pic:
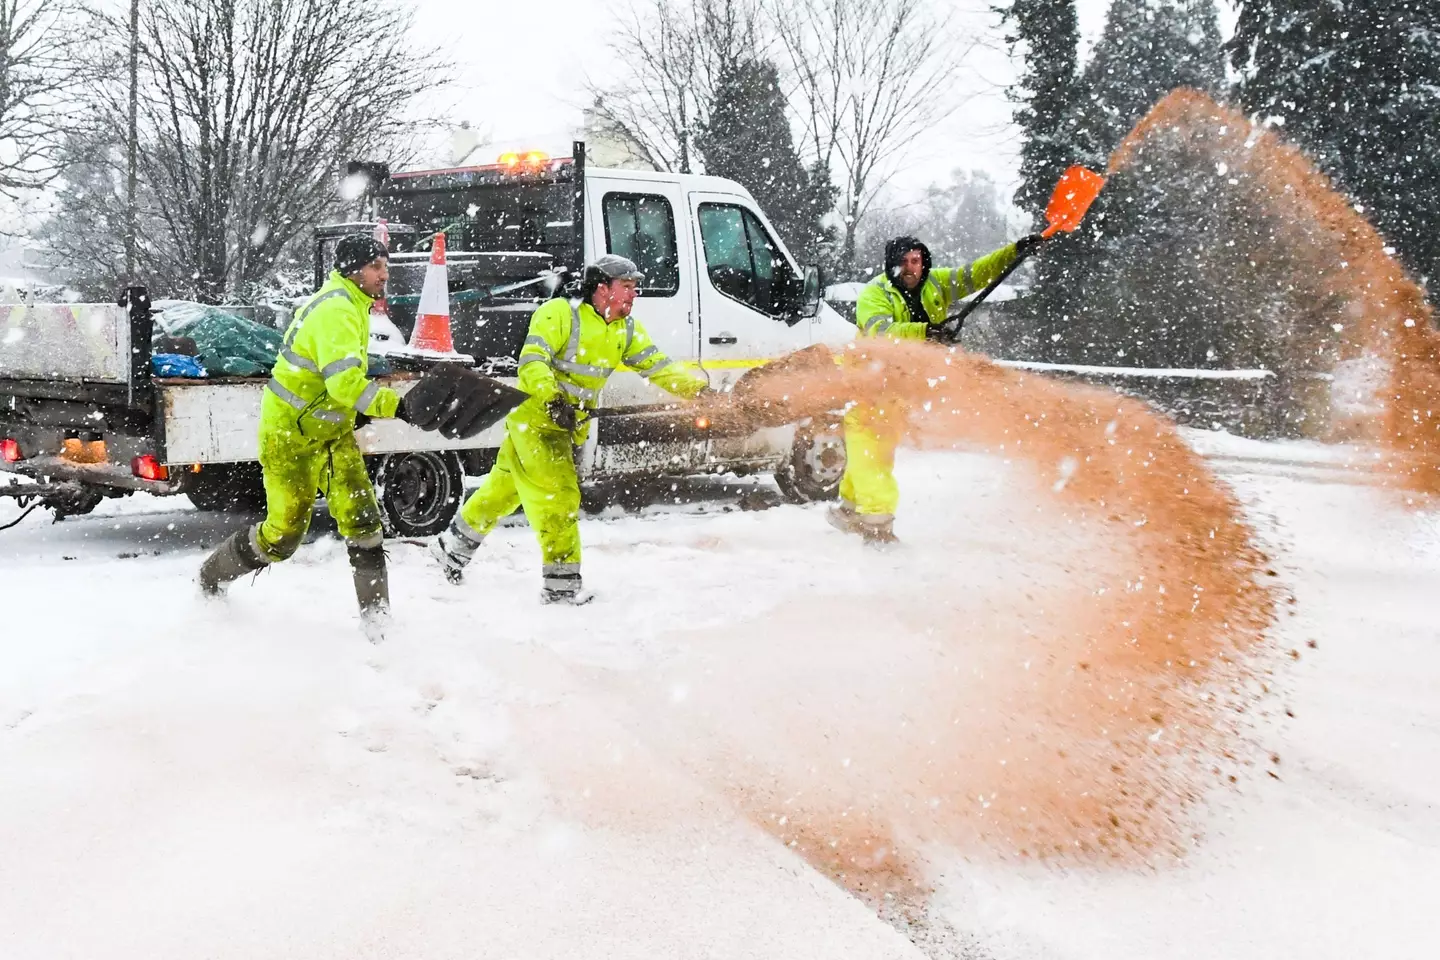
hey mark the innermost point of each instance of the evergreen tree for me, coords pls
(1357, 84)
(748, 139)
(1050, 92)
(1148, 48)
(1093, 291)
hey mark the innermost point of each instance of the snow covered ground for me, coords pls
(251, 778)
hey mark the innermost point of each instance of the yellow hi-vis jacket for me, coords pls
(881, 310)
(321, 371)
(570, 351)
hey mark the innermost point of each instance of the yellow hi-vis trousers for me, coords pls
(296, 468)
(535, 469)
(869, 481)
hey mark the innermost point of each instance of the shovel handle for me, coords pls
(969, 307)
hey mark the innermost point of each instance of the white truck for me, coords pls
(81, 413)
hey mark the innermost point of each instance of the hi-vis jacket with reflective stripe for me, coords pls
(322, 364)
(882, 311)
(571, 351)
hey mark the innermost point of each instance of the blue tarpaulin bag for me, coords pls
(176, 365)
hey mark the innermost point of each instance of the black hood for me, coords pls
(896, 249)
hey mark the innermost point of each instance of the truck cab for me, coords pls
(721, 294)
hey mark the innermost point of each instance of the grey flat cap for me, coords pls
(616, 267)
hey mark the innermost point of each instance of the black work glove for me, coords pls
(1027, 244)
(947, 332)
(562, 413)
(457, 401)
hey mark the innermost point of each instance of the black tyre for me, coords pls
(230, 487)
(816, 464)
(418, 492)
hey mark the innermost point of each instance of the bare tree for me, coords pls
(869, 76)
(959, 220)
(676, 50)
(248, 111)
(38, 72)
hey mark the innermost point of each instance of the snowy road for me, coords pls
(500, 780)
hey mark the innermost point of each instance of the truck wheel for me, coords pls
(815, 465)
(230, 487)
(418, 492)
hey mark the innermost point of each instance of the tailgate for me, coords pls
(77, 374)
(70, 342)
(219, 422)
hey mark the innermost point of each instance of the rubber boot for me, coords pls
(372, 589)
(844, 518)
(455, 548)
(878, 531)
(235, 557)
(562, 584)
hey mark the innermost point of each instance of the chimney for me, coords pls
(464, 139)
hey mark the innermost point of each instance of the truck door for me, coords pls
(638, 219)
(743, 276)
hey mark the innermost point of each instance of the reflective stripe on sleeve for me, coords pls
(641, 357)
(579, 392)
(583, 369)
(340, 366)
(655, 368)
(300, 403)
(294, 359)
(367, 396)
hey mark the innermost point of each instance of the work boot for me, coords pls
(455, 548)
(563, 585)
(843, 517)
(878, 532)
(372, 589)
(235, 557)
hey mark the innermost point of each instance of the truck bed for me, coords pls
(217, 421)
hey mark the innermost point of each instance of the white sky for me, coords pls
(522, 70)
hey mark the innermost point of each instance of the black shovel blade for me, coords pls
(481, 403)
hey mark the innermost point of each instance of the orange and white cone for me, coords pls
(432, 321)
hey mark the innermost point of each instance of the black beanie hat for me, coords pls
(357, 251)
(896, 249)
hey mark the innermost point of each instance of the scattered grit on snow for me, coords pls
(248, 779)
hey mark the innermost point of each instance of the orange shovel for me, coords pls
(1073, 195)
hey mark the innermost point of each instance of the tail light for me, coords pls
(148, 468)
(10, 450)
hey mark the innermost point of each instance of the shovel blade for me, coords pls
(1074, 193)
(488, 404)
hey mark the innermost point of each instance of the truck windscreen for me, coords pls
(529, 215)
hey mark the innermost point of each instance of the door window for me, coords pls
(641, 227)
(743, 262)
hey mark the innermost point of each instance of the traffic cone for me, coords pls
(432, 322)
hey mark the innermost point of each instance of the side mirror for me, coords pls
(811, 290)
